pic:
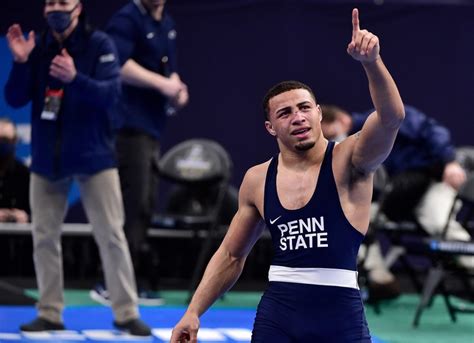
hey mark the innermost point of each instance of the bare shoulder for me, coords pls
(343, 151)
(252, 188)
(353, 186)
(256, 174)
(343, 167)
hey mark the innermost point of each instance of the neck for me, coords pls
(295, 159)
(156, 12)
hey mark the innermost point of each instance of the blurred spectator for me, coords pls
(145, 36)
(14, 178)
(71, 75)
(423, 171)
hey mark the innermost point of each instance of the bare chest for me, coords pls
(296, 189)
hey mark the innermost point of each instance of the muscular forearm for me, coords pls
(221, 273)
(384, 93)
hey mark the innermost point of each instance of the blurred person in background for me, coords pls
(14, 177)
(145, 36)
(71, 75)
(423, 171)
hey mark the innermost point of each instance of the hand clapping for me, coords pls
(63, 68)
(19, 46)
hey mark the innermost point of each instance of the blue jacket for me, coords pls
(421, 142)
(81, 140)
(152, 44)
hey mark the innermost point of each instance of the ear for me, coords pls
(320, 112)
(79, 8)
(269, 128)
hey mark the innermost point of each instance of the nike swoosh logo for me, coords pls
(274, 220)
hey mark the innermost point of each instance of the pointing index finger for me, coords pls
(355, 21)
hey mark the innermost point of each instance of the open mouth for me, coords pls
(300, 132)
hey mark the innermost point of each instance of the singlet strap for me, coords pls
(325, 179)
(270, 184)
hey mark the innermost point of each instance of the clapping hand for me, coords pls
(63, 68)
(19, 46)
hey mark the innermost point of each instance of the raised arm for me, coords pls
(18, 89)
(226, 265)
(375, 140)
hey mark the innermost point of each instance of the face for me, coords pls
(63, 5)
(338, 129)
(154, 3)
(7, 141)
(294, 119)
(331, 130)
(7, 131)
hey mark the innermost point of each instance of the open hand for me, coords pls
(19, 46)
(364, 46)
(63, 68)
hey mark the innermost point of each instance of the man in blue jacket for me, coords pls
(145, 36)
(422, 167)
(71, 75)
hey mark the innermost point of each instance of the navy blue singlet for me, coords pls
(313, 295)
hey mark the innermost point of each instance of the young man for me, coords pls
(71, 75)
(315, 199)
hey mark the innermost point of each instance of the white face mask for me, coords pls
(340, 137)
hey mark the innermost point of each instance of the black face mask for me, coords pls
(7, 148)
(59, 21)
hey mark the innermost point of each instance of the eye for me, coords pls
(283, 114)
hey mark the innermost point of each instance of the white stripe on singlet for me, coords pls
(314, 276)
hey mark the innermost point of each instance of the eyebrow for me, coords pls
(284, 109)
(306, 102)
(50, 2)
(289, 107)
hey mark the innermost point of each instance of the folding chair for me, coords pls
(398, 232)
(442, 252)
(201, 170)
(408, 238)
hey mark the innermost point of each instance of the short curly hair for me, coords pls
(283, 87)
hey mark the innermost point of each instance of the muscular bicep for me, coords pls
(373, 144)
(247, 225)
(245, 229)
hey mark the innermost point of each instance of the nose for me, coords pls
(298, 117)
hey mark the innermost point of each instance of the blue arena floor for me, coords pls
(94, 324)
